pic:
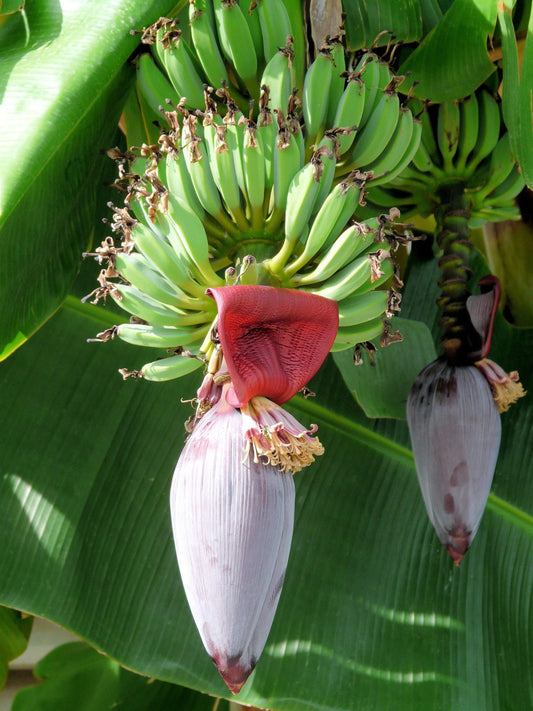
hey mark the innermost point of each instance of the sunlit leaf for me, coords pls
(62, 93)
(449, 64)
(365, 21)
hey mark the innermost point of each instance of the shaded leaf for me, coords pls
(365, 21)
(382, 389)
(450, 64)
(61, 96)
(507, 248)
(15, 629)
(517, 91)
(76, 676)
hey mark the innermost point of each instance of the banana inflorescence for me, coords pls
(262, 175)
(462, 146)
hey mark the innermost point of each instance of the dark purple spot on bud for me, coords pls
(459, 476)
(449, 503)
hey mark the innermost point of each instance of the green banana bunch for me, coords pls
(169, 254)
(224, 43)
(242, 52)
(359, 113)
(243, 197)
(461, 145)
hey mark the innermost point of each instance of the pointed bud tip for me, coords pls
(234, 674)
(457, 547)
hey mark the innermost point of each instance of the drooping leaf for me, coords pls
(450, 64)
(15, 630)
(365, 21)
(517, 90)
(382, 389)
(76, 676)
(370, 598)
(62, 93)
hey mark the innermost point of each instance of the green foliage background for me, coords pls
(373, 614)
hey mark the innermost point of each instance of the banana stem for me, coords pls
(453, 238)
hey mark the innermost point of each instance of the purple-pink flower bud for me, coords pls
(232, 520)
(455, 433)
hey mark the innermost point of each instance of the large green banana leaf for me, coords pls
(63, 82)
(373, 615)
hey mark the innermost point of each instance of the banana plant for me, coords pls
(246, 182)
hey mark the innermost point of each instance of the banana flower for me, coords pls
(453, 416)
(232, 494)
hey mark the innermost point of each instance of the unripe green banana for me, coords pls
(508, 189)
(254, 174)
(376, 76)
(429, 141)
(183, 73)
(179, 182)
(422, 159)
(197, 161)
(363, 332)
(323, 224)
(141, 305)
(396, 148)
(448, 132)
(277, 77)
(349, 112)
(275, 25)
(469, 131)
(151, 336)
(287, 163)
(223, 170)
(138, 271)
(346, 280)
(501, 213)
(169, 368)
(160, 254)
(297, 26)
(376, 133)
(205, 42)
(235, 141)
(488, 128)
(336, 87)
(187, 235)
(492, 172)
(237, 42)
(302, 193)
(407, 157)
(362, 308)
(344, 249)
(267, 127)
(153, 84)
(252, 18)
(315, 92)
(363, 274)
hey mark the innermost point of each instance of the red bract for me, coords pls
(273, 340)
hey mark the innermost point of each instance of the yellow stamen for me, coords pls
(288, 452)
(507, 392)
